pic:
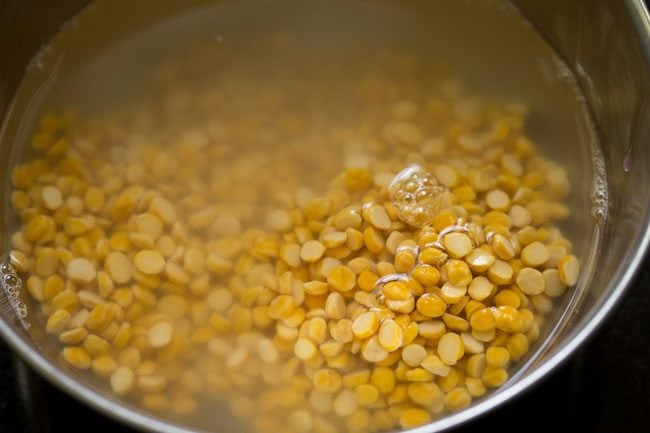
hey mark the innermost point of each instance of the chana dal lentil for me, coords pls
(184, 267)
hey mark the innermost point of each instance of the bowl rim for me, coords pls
(139, 419)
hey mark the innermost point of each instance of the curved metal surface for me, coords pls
(618, 280)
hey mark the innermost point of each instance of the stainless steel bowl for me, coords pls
(606, 43)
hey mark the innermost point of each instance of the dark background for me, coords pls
(605, 387)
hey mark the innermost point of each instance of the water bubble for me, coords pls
(422, 194)
(11, 286)
(417, 197)
(409, 197)
(428, 180)
(21, 309)
(11, 280)
(599, 213)
(599, 191)
(627, 162)
(411, 186)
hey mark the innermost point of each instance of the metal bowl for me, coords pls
(606, 43)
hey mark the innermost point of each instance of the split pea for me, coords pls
(149, 262)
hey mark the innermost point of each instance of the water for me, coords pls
(235, 110)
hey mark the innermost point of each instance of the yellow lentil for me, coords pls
(530, 281)
(500, 272)
(58, 321)
(377, 216)
(517, 346)
(458, 272)
(413, 354)
(452, 293)
(366, 394)
(493, 377)
(432, 256)
(305, 349)
(118, 267)
(149, 262)
(568, 270)
(77, 357)
(480, 260)
(475, 387)
(457, 398)
(497, 200)
(450, 348)
(553, 285)
(480, 288)
(424, 393)
(81, 270)
(372, 351)
(431, 329)
(122, 380)
(73, 336)
(497, 357)
(341, 278)
(327, 380)
(413, 417)
(458, 245)
(312, 251)
(390, 335)
(160, 334)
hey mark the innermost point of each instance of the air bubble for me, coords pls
(627, 162)
(11, 280)
(11, 286)
(21, 309)
(417, 197)
(408, 197)
(428, 180)
(411, 186)
(598, 213)
(599, 193)
(421, 194)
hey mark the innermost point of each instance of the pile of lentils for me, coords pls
(192, 267)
